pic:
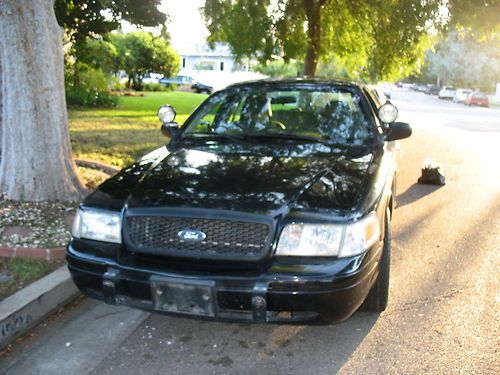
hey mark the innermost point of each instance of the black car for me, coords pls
(273, 202)
(419, 88)
(202, 88)
(432, 89)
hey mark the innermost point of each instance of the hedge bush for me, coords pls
(89, 87)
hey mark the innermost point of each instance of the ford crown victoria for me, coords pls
(272, 202)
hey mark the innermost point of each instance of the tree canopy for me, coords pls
(84, 18)
(461, 60)
(378, 39)
(481, 16)
(141, 52)
(373, 40)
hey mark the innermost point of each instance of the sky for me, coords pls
(186, 26)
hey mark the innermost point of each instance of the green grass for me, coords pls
(120, 135)
(26, 269)
(23, 272)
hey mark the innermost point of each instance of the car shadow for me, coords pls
(414, 193)
(246, 348)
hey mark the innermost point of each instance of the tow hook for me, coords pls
(259, 302)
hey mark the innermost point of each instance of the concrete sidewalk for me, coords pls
(75, 343)
(26, 308)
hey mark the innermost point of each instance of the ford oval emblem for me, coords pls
(192, 235)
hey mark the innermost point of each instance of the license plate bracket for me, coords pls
(192, 297)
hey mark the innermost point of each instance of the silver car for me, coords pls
(447, 92)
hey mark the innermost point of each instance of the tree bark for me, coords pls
(1, 105)
(313, 14)
(37, 163)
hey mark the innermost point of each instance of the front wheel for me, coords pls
(377, 298)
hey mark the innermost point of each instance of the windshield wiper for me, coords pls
(296, 137)
(231, 137)
(246, 137)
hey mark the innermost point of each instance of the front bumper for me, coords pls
(288, 290)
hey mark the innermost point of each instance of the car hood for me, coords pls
(261, 181)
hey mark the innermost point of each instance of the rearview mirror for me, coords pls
(398, 130)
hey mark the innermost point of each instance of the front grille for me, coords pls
(224, 238)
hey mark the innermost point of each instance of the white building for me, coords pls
(216, 67)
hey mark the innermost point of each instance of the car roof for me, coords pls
(294, 81)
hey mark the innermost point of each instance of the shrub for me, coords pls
(90, 98)
(89, 87)
(154, 87)
(118, 86)
(279, 69)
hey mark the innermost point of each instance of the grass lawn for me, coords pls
(120, 135)
(115, 136)
(22, 272)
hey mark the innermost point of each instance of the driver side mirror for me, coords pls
(170, 130)
(166, 114)
(398, 130)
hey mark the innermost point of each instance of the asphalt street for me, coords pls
(443, 314)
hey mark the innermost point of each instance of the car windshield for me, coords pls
(332, 115)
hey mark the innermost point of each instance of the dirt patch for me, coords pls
(42, 224)
(28, 224)
(16, 231)
(92, 177)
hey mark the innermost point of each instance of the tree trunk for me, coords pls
(313, 14)
(1, 104)
(37, 162)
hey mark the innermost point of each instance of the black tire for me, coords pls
(377, 298)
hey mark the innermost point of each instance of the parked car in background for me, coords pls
(151, 78)
(432, 89)
(178, 80)
(447, 92)
(461, 95)
(272, 202)
(419, 87)
(202, 88)
(477, 98)
(187, 83)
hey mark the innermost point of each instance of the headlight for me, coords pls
(329, 239)
(98, 225)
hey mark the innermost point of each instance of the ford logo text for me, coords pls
(191, 235)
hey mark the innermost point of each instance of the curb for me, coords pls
(56, 253)
(94, 164)
(29, 306)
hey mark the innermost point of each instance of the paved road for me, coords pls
(444, 296)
